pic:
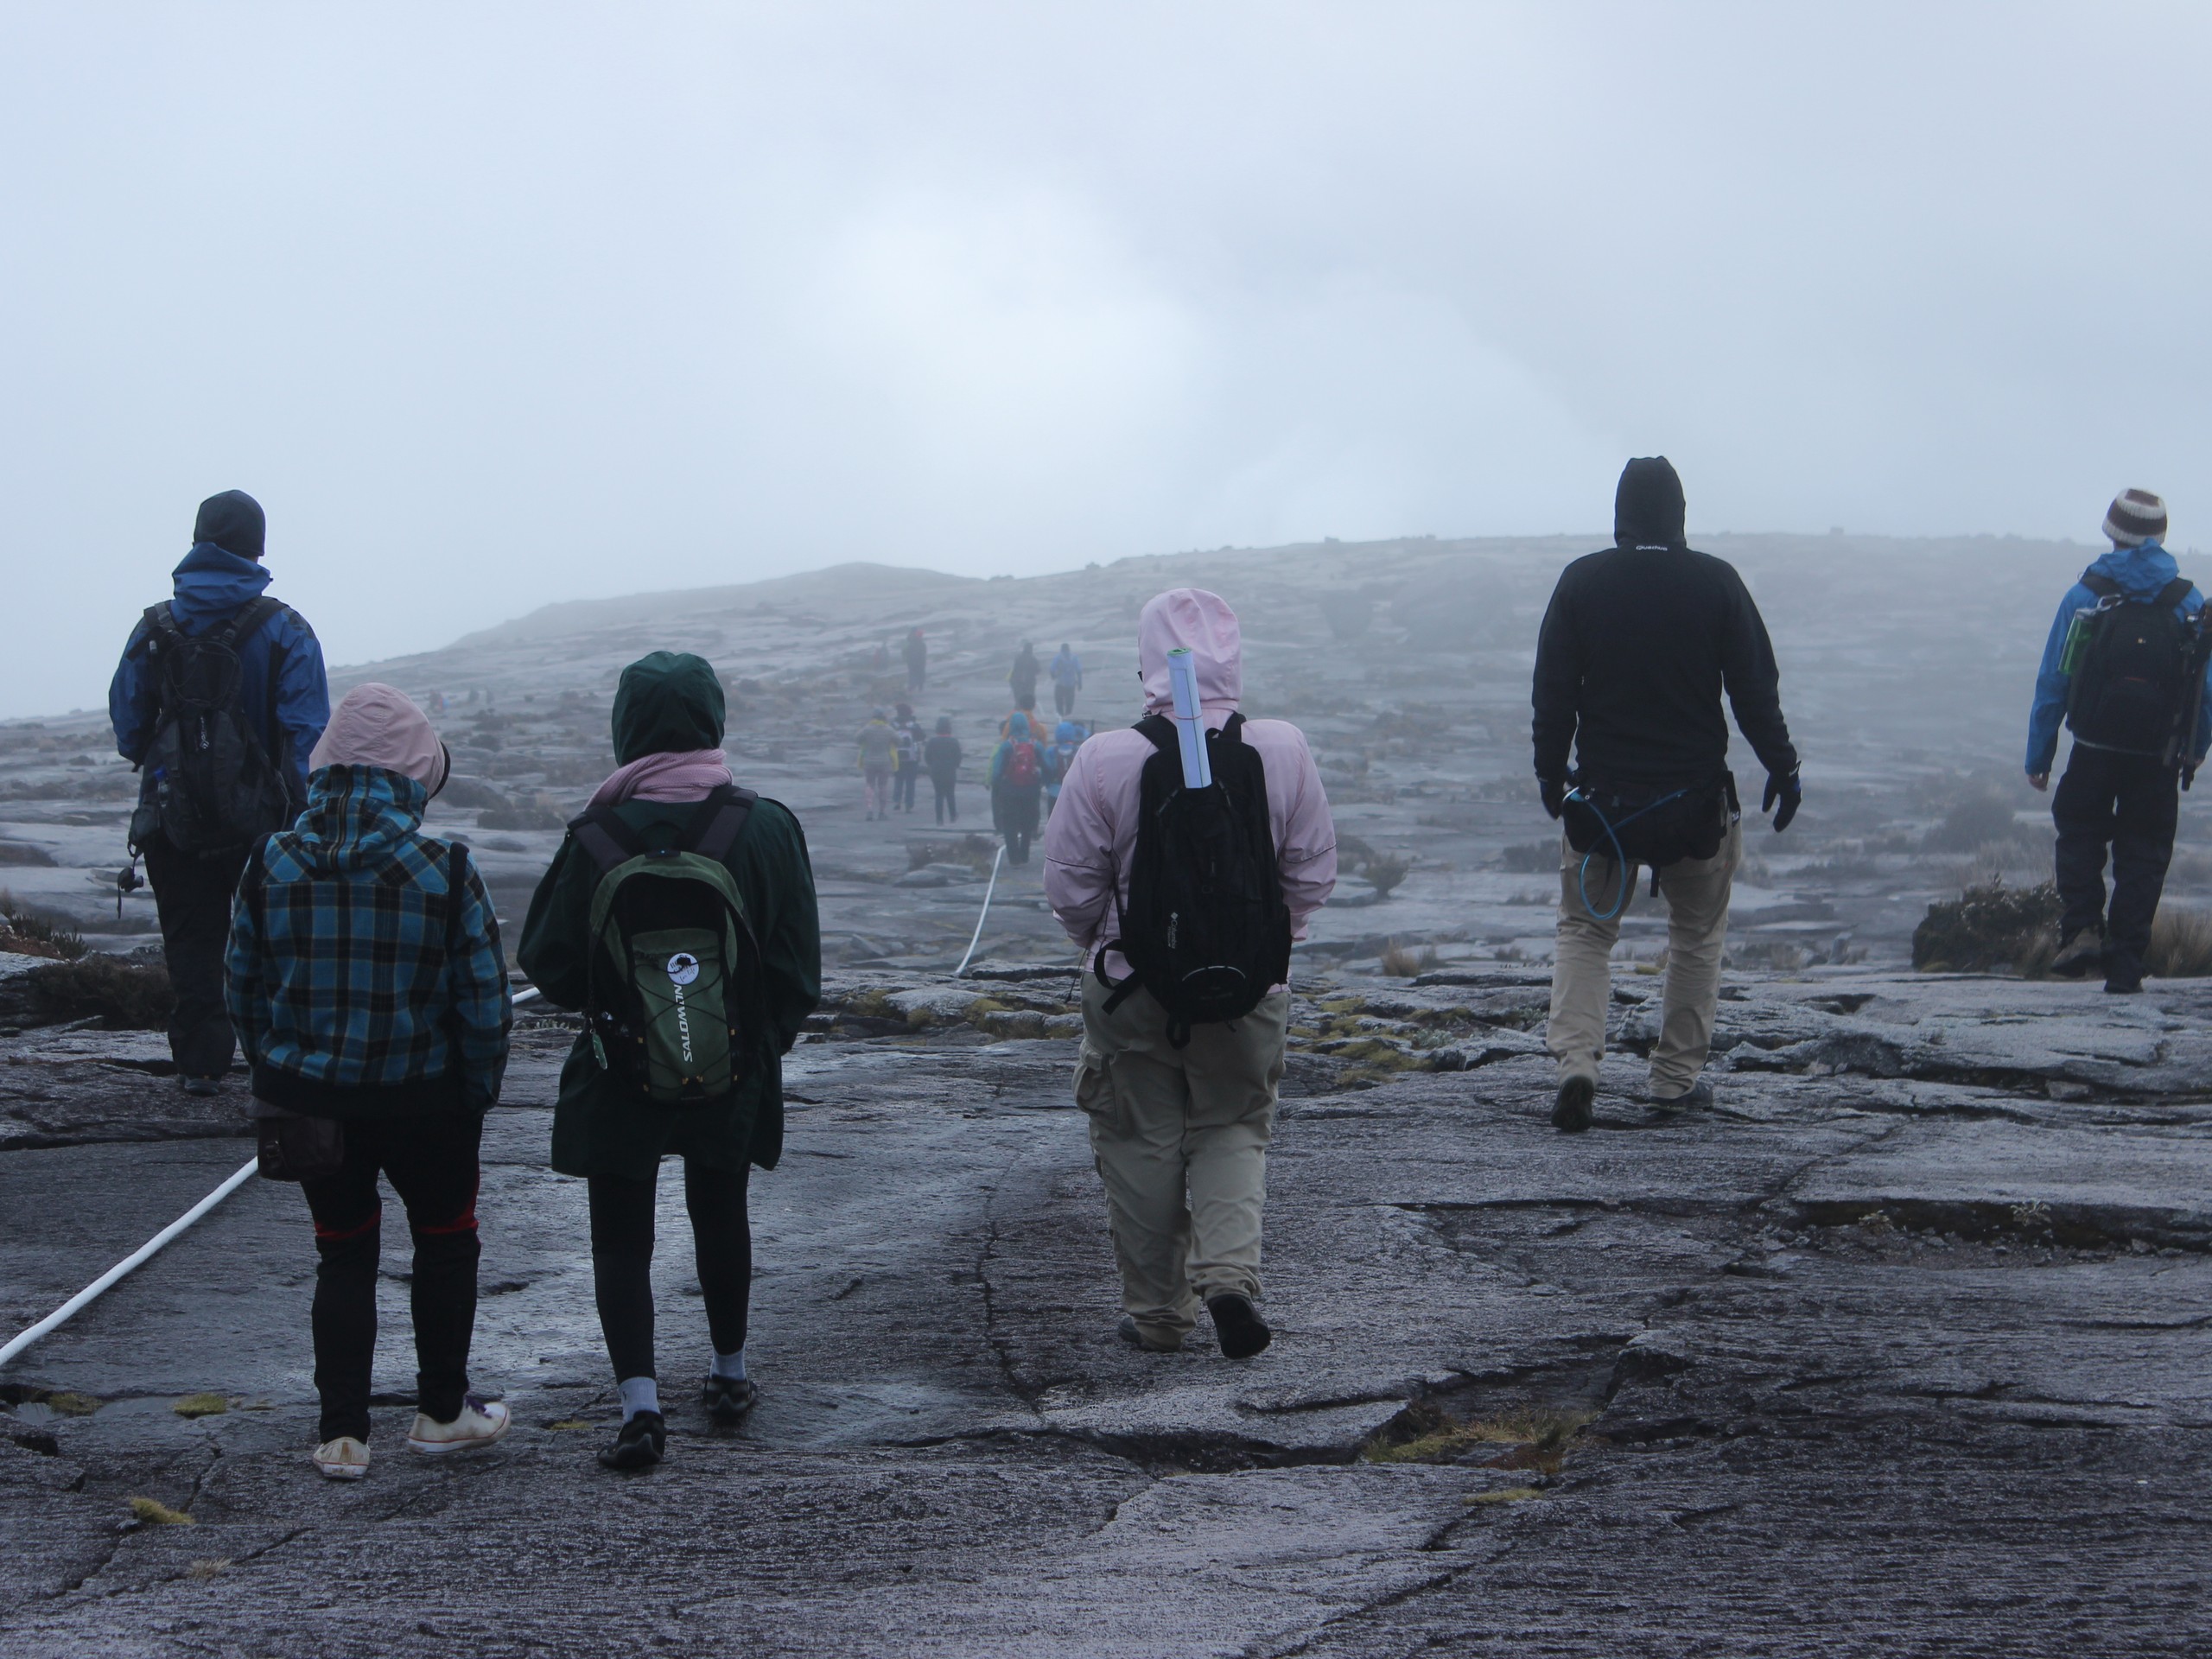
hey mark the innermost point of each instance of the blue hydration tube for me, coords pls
(1620, 858)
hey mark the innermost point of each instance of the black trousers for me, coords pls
(1064, 699)
(902, 785)
(431, 1161)
(193, 896)
(2129, 803)
(1015, 809)
(946, 808)
(622, 1260)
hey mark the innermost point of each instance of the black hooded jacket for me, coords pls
(1638, 645)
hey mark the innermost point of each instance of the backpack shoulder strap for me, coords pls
(717, 831)
(605, 838)
(1232, 729)
(456, 890)
(248, 620)
(160, 618)
(1160, 731)
(2174, 593)
(2103, 585)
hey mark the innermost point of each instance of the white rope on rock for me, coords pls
(996, 859)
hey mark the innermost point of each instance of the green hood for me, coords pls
(669, 702)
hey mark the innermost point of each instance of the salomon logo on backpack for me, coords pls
(1206, 932)
(1021, 767)
(2132, 662)
(207, 783)
(675, 966)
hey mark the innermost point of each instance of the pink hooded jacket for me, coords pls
(1091, 836)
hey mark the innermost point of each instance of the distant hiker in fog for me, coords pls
(878, 745)
(941, 754)
(1017, 781)
(1185, 1007)
(1060, 755)
(694, 969)
(1022, 678)
(906, 773)
(369, 991)
(218, 699)
(2126, 666)
(917, 652)
(1067, 679)
(1636, 649)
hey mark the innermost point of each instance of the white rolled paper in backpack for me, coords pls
(1190, 719)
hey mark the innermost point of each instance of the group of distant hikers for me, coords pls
(308, 918)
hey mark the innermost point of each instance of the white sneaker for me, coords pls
(480, 1422)
(343, 1458)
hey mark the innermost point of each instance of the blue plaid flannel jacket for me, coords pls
(341, 983)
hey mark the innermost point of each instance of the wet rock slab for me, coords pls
(1885, 1354)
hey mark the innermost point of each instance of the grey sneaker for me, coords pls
(1151, 1338)
(200, 1088)
(1695, 1098)
(2082, 953)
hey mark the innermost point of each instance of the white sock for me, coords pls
(729, 1367)
(638, 1393)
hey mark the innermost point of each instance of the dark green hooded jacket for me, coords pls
(669, 702)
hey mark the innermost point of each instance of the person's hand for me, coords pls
(2038, 781)
(2189, 776)
(1789, 792)
(1553, 790)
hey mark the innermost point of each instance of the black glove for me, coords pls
(1553, 790)
(1789, 792)
(2188, 777)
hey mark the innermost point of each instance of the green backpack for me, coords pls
(675, 968)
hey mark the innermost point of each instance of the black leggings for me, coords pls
(622, 1260)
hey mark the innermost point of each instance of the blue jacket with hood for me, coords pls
(213, 585)
(2140, 572)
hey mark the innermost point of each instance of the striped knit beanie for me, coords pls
(2136, 517)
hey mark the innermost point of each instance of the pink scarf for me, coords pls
(686, 775)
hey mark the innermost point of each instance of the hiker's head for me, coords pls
(1191, 618)
(232, 521)
(875, 714)
(378, 725)
(1067, 732)
(1017, 726)
(945, 724)
(669, 702)
(906, 710)
(1647, 508)
(2136, 516)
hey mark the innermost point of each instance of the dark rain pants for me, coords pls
(622, 1260)
(947, 810)
(430, 1160)
(193, 896)
(1015, 807)
(2129, 803)
(902, 785)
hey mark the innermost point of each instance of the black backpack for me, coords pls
(674, 987)
(2132, 670)
(1206, 930)
(207, 783)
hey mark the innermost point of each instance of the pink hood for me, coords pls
(1202, 622)
(378, 725)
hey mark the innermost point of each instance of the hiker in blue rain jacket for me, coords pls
(285, 703)
(2121, 790)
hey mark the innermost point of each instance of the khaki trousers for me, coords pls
(1180, 1139)
(1696, 891)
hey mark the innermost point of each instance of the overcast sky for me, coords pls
(492, 305)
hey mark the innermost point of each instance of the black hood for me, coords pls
(233, 522)
(1647, 507)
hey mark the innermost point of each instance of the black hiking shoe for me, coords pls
(1695, 1098)
(642, 1443)
(1570, 1110)
(729, 1398)
(2123, 974)
(1238, 1326)
(2081, 954)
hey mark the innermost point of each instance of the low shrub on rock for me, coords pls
(123, 996)
(1989, 927)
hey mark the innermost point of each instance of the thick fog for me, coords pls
(496, 305)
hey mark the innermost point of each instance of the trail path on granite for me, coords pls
(1906, 1347)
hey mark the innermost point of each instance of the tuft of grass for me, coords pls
(23, 932)
(1878, 1221)
(567, 1425)
(1399, 963)
(201, 1405)
(1535, 1440)
(208, 1567)
(1385, 871)
(155, 1513)
(1506, 1495)
(123, 995)
(2181, 943)
(1530, 858)
(65, 1404)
